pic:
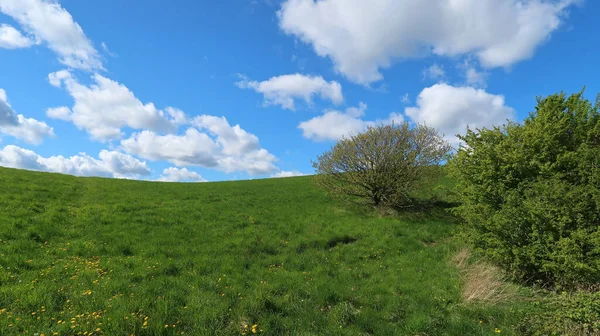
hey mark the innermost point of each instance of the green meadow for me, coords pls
(92, 256)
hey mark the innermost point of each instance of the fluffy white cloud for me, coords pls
(109, 164)
(227, 148)
(10, 38)
(334, 125)
(285, 173)
(283, 90)
(26, 129)
(434, 72)
(48, 22)
(174, 174)
(362, 37)
(106, 106)
(121, 164)
(190, 148)
(450, 109)
(233, 140)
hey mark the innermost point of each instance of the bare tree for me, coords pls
(382, 165)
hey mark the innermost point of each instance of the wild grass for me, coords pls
(483, 282)
(90, 256)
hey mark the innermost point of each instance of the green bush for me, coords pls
(566, 314)
(384, 165)
(530, 193)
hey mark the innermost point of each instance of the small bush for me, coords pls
(530, 193)
(384, 165)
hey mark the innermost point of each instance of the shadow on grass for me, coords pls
(427, 209)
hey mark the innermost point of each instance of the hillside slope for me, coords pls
(117, 257)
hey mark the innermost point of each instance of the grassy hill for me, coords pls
(90, 256)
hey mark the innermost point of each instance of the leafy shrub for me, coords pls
(566, 314)
(530, 192)
(384, 165)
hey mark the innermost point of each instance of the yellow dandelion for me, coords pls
(496, 330)
(166, 325)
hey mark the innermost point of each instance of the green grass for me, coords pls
(129, 257)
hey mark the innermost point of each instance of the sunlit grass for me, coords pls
(88, 256)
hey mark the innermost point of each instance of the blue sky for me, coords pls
(221, 90)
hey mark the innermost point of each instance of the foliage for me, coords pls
(384, 165)
(530, 192)
(131, 257)
(565, 314)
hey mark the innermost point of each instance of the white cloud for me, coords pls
(363, 37)
(233, 140)
(105, 107)
(227, 148)
(10, 38)
(434, 72)
(283, 90)
(405, 98)
(7, 114)
(285, 173)
(334, 125)
(174, 174)
(190, 148)
(476, 78)
(109, 164)
(450, 109)
(48, 22)
(122, 165)
(177, 116)
(106, 50)
(62, 112)
(27, 129)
